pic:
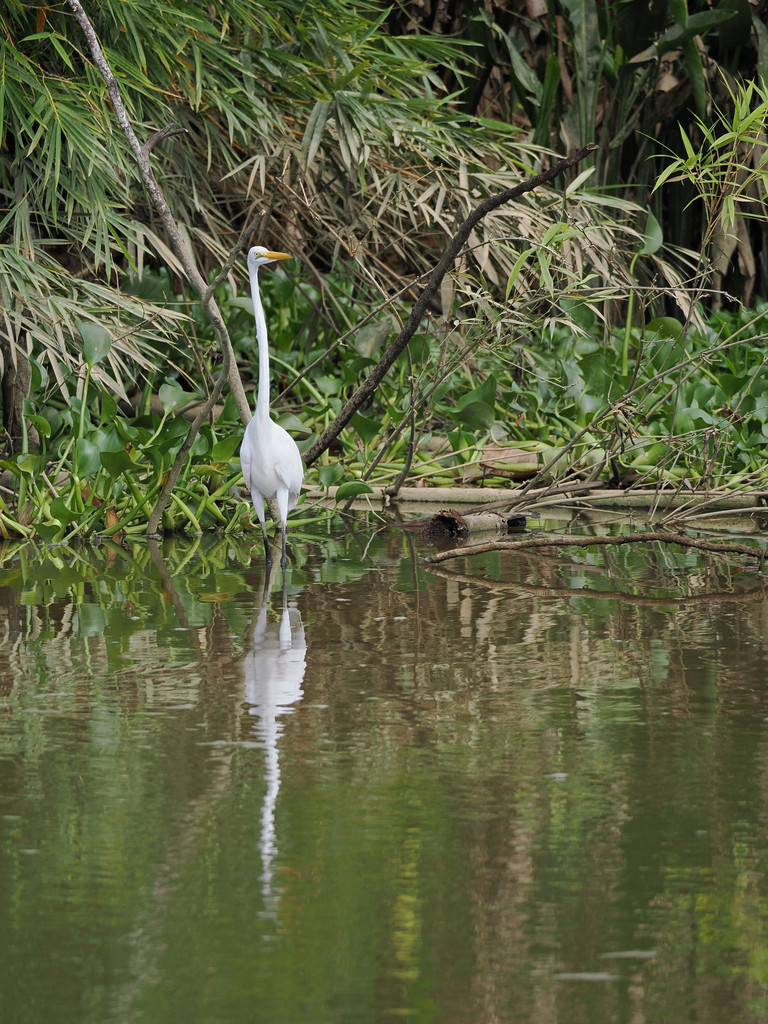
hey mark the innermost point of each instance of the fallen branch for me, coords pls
(645, 537)
(452, 250)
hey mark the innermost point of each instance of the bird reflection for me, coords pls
(274, 672)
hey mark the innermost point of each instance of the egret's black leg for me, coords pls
(283, 559)
(267, 551)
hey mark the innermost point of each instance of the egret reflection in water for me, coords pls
(273, 674)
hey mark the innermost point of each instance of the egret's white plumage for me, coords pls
(269, 456)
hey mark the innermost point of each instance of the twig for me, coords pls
(644, 537)
(451, 251)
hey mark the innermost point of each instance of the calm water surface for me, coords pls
(525, 788)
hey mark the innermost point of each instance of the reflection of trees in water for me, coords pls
(586, 739)
(536, 776)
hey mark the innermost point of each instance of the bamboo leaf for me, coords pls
(313, 133)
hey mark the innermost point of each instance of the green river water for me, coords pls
(521, 788)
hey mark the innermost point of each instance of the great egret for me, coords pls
(269, 456)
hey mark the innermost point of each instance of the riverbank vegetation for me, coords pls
(609, 325)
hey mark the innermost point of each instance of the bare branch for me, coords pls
(165, 133)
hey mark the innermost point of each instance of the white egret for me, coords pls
(269, 456)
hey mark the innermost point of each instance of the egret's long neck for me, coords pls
(262, 396)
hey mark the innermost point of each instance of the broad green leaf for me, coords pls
(38, 377)
(224, 449)
(578, 125)
(761, 35)
(541, 136)
(26, 464)
(732, 384)
(696, 76)
(108, 408)
(460, 440)
(172, 396)
(486, 392)
(597, 373)
(97, 342)
(88, 457)
(48, 531)
(653, 237)
(477, 415)
(351, 489)
(291, 423)
(116, 463)
(679, 11)
(665, 327)
(330, 475)
(61, 512)
(365, 427)
(40, 423)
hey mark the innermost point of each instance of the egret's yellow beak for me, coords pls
(277, 256)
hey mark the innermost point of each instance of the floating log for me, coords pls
(450, 525)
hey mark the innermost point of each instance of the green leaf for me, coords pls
(116, 463)
(679, 11)
(366, 428)
(486, 392)
(97, 342)
(48, 531)
(291, 423)
(351, 489)
(108, 408)
(88, 457)
(38, 377)
(61, 512)
(172, 396)
(653, 237)
(329, 475)
(40, 423)
(516, 270)
(313, 133)
(597, 372)
(665, 327)
(552, 77)
(224, 449)
(696, 76)
(477, 415)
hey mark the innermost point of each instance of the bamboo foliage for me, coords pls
(345, 131)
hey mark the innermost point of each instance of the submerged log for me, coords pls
(448, 524)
